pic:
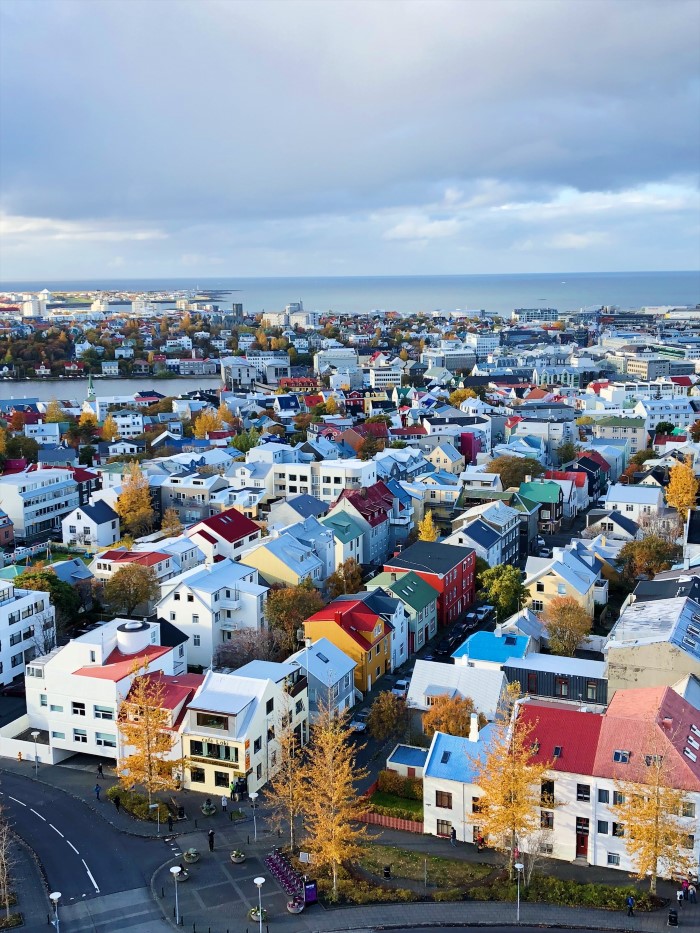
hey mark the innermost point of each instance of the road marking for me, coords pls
(16, 800)
(94, 883)
(72, 847)
(37, 814)
(57, 831)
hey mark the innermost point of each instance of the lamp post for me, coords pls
(518, 867)
(55, 897)
(35, 736)
(254, 796)
(175, 872)
(259, 882)
(156, 807)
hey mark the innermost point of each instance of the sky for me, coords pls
(220, 138)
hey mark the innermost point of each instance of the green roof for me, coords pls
(614, 421)
(409, 587)
(545, 492)
(344, 526)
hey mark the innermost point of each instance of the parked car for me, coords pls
(358, 723)
(400, 688)
(544, 552)
(471, 621)
(483, 612)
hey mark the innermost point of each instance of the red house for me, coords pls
(449, 569)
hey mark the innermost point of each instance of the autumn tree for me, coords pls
(146, 737)
(567, 451)
(346, 579)
(330, 802)
(331, 406)
(207, 421)
(427, 529)
(289, 607)
(3, 442)
(450, 714)
(652, 555)
(514, 470)
(130, 586)
(388, 716)
(110, 431)
(567, 624)
(285, 789)
(250, 644)
(460, 395)
(502, 587)
(7, 862)
(134, 503)
(682, 490)
(226, 416)
(54, 412)
(510, 778)
(171, 524)
(650, 810)
(370, 447)
(694, 431)
(64, 598)
(246, 441)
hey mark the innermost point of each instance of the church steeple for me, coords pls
(90, 389)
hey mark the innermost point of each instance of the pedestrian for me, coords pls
(679, 897)
(224, 803)
(170, 822)
(117, 801)
(97, 791)
(232, 789)
(453, 836)
(692, 893)
(630, 906)
(100, 773)
(210, 835)
(685, 885)
(480, 842)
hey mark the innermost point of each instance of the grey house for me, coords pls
(330, 673)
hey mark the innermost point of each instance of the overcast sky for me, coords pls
(212, 137)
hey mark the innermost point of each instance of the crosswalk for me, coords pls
(133, 911)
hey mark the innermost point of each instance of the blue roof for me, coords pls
(408, 755)
(481, 533)
(487, 646)
(451, 757)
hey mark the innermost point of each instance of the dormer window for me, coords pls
(557, 751)
(621, 757)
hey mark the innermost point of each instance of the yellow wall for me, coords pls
(335, 634)
(551, 583)
(271, 567)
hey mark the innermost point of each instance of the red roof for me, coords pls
(354, 617)
(598, 385)
(578, 479)
(375, 428)
(597, 458)
(669, 439)
(117, 666)
(684, 381)
(145, 558)
(576, 733)
(408, 432)
(176, 688)
(311, 400)
(81, 475)
(230, 525)
(374, 503)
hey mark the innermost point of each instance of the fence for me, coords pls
(390, 822)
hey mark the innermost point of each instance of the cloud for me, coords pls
(421, 228)
(38, 228)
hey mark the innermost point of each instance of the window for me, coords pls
(532, 683)
(197, 775)
(79, 735)
(177, 597)
(195, 620)
(547, 819)
(443, 799)
(212, 721)
(104, 738)
(44, 700)
(618, 798)
(196, 641)
(547, 793)
(561, 589)
(540, 587)
(172, 616)
(613, 858)
(561, 686)
(621, 757)
(258, 772)
(221, 779)
(688, 809)
(78, 709)
(196, 747)
(444, 828)
(689, 841)
(190, 598)
(299, 706)
(537, 605)
(58, 735)
(591, 690)
(603, 796)
(650, 760)
(476, 806)
(270, 706)
(55, 708)
(257, 745)
(583, 792)
(603, 827)
(618, 830)
(104, 712)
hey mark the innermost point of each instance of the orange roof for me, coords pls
(117, 666)
(176, 688)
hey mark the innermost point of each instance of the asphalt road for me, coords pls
(82, 855)
(503, 929)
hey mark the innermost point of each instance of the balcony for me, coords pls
(299, 685)
(600, 593)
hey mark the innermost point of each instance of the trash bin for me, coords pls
(387, 871)
(672, 917)
(180, 813)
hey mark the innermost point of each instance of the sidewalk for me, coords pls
(29, 886)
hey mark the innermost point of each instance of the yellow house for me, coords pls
(358, 631)
(285, 560)
(565, 574)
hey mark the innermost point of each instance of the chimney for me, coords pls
(474, 728)
(498, 633)
(338, 616)
(528, 478)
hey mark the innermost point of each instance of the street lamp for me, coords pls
(175, 871)
(518, 867)
(259, 882)
(156, 807)
(55, 897)
(35, 736)
(254, 796)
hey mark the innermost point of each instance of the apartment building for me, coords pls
(37, 501)
(27, 629)
(129, 423)
(190, 494)
(325, 480)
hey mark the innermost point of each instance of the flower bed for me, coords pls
(137, 804)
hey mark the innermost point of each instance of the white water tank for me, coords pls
(133, 636)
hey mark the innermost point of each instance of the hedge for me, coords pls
(137, 804)
(391, 782)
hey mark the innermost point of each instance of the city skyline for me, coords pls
(314, 139)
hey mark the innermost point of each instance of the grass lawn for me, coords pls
(380, 799)
(442, 872)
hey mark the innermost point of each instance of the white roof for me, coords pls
(325, 661)
(432, 678)
(638, 495)
(555, 664)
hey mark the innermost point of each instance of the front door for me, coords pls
(581, 838)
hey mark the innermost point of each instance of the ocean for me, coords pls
(406, 293)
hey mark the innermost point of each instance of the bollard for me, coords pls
(173, 911)
(230, 817)
(195, 824)
(248, 840)
(162, 892)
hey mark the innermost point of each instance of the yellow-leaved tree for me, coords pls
(682, 489)
(451, 715)
(208, 420)
(510, 778)
(284, 792)
(330, 802)
(226, 416)
(134, 503)
(427, 529)
(567, 623)
(171, 524)
(54, 412)
(3, 442)
(110, 431)
(88, 420)
(148, 743)
(331, 406)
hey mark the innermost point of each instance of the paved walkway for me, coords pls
(30, 888)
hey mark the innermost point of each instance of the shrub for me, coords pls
(449, 894)
(398, 812)
(356, 891)
(137, 804)
(391, 782)
(391, 805)
(573, 894)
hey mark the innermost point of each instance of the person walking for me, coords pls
(170, 822)
(97, 791)
(100, 773)
(210, 836)
(685, 884)
(224, 803)
(679, 897)
(232, 789)
(692, 893)
(453, 837)
(630, 906)
(117, 801)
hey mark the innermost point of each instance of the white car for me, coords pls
(400, 688)
(357, 725)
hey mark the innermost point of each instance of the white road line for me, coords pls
(57, 831)
(37, 814)
(94, 883)
(16, 800)
(72, 847)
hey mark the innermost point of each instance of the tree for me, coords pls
(171, 524)
(250, 644)
(502, 587)
(649, 808)
(86, 455)
(694, 431)
(146, 736)
(510, 778)
(567, 623)
(23, 447)
(682, 490)
(226, 416)
(665, 427)
(207, 421)
(246, 441)
(369, 447)
(567, 451)
(346, 579)
(331, 406)
(17, 421)
(130, 586)
(330, 802)
(427, 529)
(7, 862)
(134, 504)
(388, 717)
(584, 420)
(64, 598)
(289, 607)
(647, 557)
(284, 792)
(110, 431)
(514, 470)
(452, 715)
(459, 395)
(641, 457)
(3, 442)
(54, 412)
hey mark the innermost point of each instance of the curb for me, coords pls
(154, 893)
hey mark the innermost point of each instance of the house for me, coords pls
(348, 535)
(550, 497)
(44, 433)
(581, 499)
(35, 502)
(420, 604)
(375, 506)
(285, 560)
(450, 570)
(290, 510)
(312, 533)
(359, 632)
(110, 367)
(446, 457)
(190, 493)
(525, 622)
(503, 519)
(94, 525)
(634, 502)
(567, 573)
(594, 474)
(209, 604)
(230, 733)
(613, 524)
(76, 574)
(407, 761)
(615, 427)
(546, 675)
(431, 679)
(27, 629)
(330, 674)
(485, 540)
(7, 531)
(491, 650)
(224, 535)
(391, 609)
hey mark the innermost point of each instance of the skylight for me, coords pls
(322, 657)
(622, 757)
(445, 757)
(557, 751)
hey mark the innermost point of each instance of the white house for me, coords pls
(94, 525)
(226, 534)
(129, 423)
(634, 501)
(27, 628)
(431, 679)
(37, 501)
